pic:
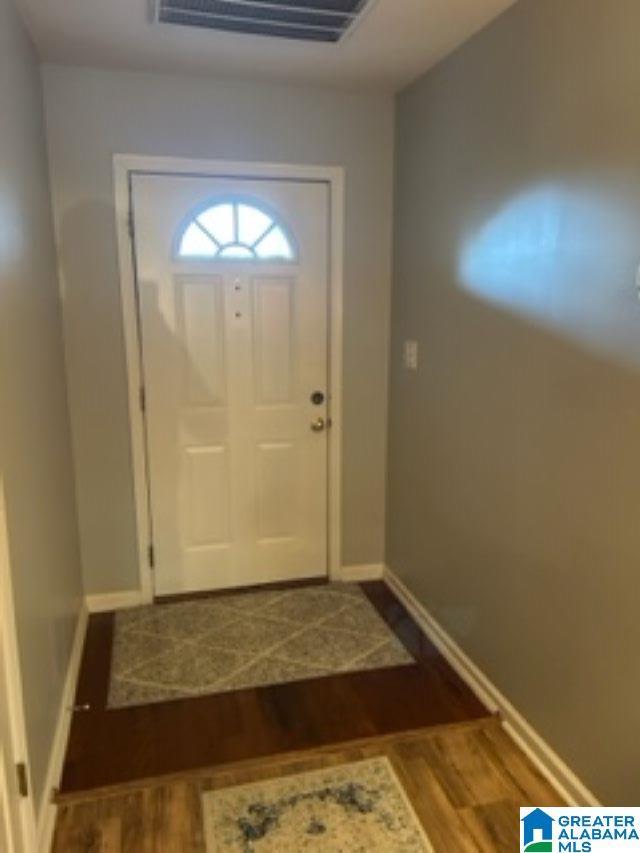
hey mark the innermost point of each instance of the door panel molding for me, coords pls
(262, 334)
(125, 167)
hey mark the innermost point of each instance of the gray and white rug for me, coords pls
(359, 808)
(241, 640)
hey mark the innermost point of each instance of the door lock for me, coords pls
(317, 398)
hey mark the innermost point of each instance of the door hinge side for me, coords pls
(143, 399)
(152, 557)
(23, 779)
(130, 225)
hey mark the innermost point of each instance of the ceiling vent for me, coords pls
(306, 20)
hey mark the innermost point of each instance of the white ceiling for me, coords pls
(395, 42)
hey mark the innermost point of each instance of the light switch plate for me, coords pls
(411, 355)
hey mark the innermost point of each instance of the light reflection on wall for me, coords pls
(564, 260)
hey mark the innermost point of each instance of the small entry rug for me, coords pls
(241, 640)
(352, 808)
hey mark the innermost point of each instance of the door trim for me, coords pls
(11, 684)
(125, 167)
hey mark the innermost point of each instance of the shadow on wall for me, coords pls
(97, 371)
(97, 397)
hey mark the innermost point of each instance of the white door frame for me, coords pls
(11, 689)
(125, 167)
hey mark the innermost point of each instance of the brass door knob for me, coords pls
(318, 425)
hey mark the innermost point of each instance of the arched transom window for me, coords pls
(235, 230)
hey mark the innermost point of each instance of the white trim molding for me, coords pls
(125, 166)
(108, 601)
(361, 573)
(11, 693)
(47, 811)
(563, 779)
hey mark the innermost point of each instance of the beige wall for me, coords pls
(514, 454)
(94, 114)
(35, 457)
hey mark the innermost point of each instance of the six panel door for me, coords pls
(234, 346)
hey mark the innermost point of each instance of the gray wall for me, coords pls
(94, 114)
(514, 451)
(35, 455)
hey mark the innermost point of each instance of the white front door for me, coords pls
(232, 278)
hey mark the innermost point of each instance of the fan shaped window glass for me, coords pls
(237, 231)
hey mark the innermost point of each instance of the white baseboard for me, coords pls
(361, 573)
(46, 816)
(563, 779)
(105, 602)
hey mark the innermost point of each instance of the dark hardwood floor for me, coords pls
(109, 747)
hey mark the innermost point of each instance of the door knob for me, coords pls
(318, 425)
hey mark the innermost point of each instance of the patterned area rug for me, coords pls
(353, 808)
(212, 645)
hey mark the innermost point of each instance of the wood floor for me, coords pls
(109, 747)
(466, 782)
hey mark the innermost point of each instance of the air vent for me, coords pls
(307, 20)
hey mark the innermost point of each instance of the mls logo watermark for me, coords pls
(536, 831)
(579, 830)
